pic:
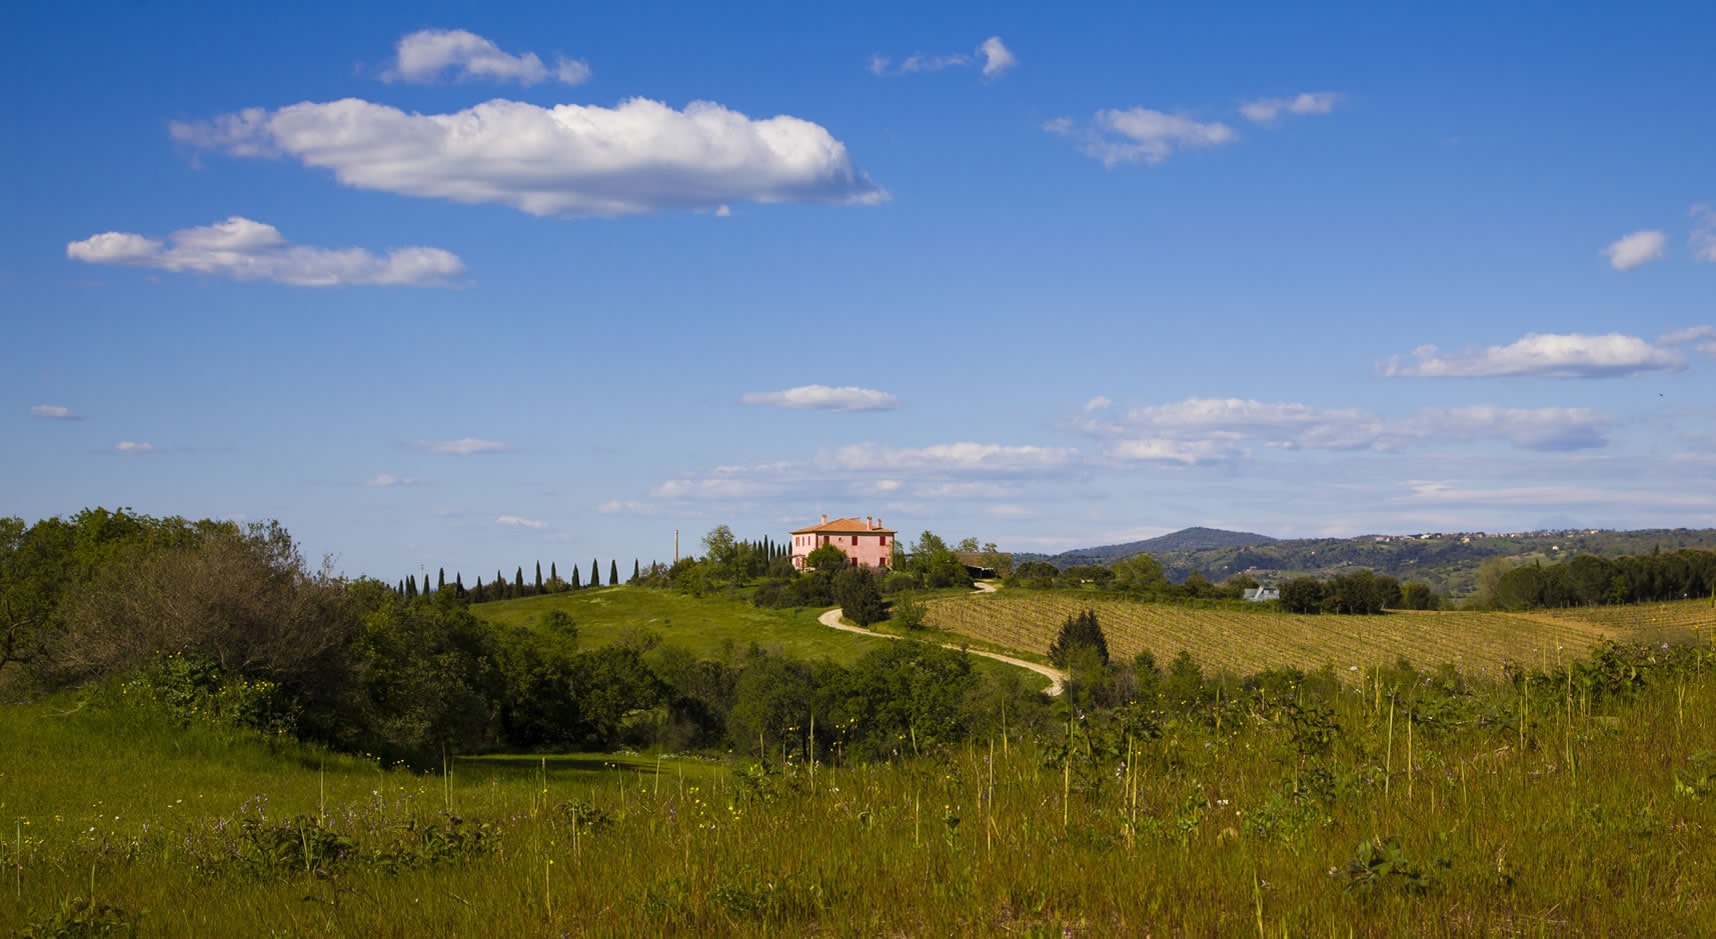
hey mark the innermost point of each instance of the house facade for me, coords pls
(863, 540)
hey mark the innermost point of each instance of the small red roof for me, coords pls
(845, 526)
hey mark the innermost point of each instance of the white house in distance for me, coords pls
(865, 542)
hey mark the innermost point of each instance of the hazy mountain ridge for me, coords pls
(1448, 561)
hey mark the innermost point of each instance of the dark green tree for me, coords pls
(576, 585)
(538, 576)
(1302, 595)
(595, 572)
(859, 596)
(1080, 629)
(613, 572)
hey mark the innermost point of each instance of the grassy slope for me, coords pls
(703, 626)
(1244, 640)
(1583, 831)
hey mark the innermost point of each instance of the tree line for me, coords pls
(220, 619)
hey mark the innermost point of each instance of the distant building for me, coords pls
(1260, 594)
(863, 540)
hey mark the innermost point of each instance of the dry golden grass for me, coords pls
(1244, 640)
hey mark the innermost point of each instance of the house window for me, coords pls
(884, 540)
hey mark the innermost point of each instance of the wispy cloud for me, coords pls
(962, 457)
(388, 479)
(1544, 355)
(428, 55)
(55, 412)
(1139, 135)
(247, 250)
(1702, 338)
(1097, 403)
(1212, 430)
(1640, 247)
(824, 398)
(641, 156)
(464, 446)
(993, 53)
(997, 58)
(1703, 239)
(1268, 110)
(133, 448)
(514, 521)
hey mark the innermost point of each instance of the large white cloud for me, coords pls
(641, 156)
(247, 250)
(1640, 247)
(1267, 110)
(1139, 135)
(428, 54)
(824, 398)
(1545, 355)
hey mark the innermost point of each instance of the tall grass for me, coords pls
(1534, 808)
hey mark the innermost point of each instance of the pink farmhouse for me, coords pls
(865, 542)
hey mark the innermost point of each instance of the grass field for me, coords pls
(1245, 641)
(1543, 820)
(707, 627)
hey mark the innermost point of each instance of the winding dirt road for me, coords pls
(1056, 677)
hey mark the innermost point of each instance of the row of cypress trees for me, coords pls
(501, 588)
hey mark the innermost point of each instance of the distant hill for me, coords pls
(1184, 540)
(1447, 561)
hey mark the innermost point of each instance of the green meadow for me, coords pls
(1572, 803)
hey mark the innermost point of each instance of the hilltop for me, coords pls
(1447, 561)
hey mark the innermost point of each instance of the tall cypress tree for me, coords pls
(538, 576)
(441, 579)
(613, 573)
(553, 575)
(637, 571)
(410, 586)
(595, 572)
(518, 579)
(477, 594)
(575, 584)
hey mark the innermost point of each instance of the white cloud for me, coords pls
(514, 521)
(133, 447)
(710, 489)
(1545, 355)
(1207, 430)
(641, 156)
(613, 506)
(1139, 135)
(824, 398)
(1164, 450)
(1640, 247)
(247, 250)
(465, 446)
(954, 457)
(1703, 237)
(1702, 338)
(997, 58)
(388, 479)
(1266, 110)
(54, 412)
(1443, 492)
(424, 55)
(1097, 403)
(1007, 510)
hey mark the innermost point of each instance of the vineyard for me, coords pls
(1244, 641)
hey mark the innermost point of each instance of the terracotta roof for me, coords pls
(843, 526)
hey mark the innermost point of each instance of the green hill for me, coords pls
(708, 627)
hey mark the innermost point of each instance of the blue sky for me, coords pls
(449, 286)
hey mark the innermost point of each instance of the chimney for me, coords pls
(867, 524)
(878, 521)
(825, 518)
